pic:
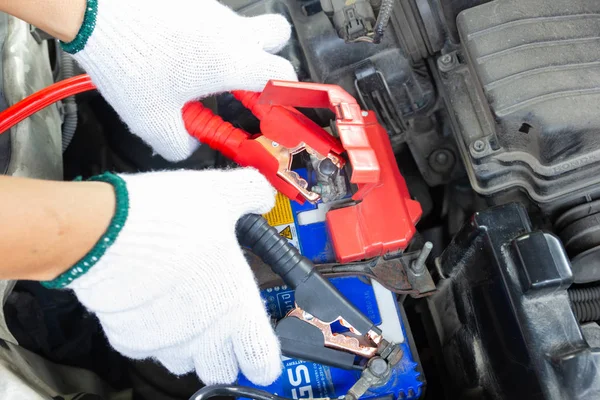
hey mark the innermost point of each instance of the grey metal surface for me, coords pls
(32, 148)
(591, 332)
(4, 139)
(36, 142)
(526, 97)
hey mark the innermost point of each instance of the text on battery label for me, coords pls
(300, 376)
(281, 214)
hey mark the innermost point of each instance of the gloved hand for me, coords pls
(174, 284)
(149, 58)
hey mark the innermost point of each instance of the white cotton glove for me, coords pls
(175, 286)
(148, 58)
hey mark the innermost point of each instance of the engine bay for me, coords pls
(471, 239)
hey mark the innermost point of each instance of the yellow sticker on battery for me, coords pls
(289, 232)
(281, 214)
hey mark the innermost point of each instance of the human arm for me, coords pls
(48, 226)
(149, 58)
(60, 18)
(154, 288)
(156, 258)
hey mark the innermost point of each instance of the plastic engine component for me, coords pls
(403, 93)
(352, 19)
(526, 105)
(502, 316)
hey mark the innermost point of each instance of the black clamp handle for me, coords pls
(314, 294)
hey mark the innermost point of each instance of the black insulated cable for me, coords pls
(383, 18)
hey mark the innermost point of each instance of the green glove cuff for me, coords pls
(116, 224)
(86, 30)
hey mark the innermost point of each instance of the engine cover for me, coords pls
(525, 94)
(502, 316)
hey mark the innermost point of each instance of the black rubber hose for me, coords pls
(581, 295)
(587, 311)
(383, 18)
(234, 391)
(70, 103)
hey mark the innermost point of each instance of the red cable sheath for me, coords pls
(83, 83)
(44, 98)
(200, 122)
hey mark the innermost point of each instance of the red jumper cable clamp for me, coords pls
(383, 216)
(285, 132)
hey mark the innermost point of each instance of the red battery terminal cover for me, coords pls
(384, 216)
(382, 220)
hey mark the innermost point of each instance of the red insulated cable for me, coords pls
(44, 98)
(212, 130)
(201, 122)
(250, 101)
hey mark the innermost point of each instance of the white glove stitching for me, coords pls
(175, 285)
(150, 58)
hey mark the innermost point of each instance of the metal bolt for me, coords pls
(365, 113)
(378, 367)
(442, 161)
(447, 62)
(479, 146)
(327, 167)
(446, 59)
(275, 144)
(441, 157)
(418, 266)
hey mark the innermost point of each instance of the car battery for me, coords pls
(305, 228)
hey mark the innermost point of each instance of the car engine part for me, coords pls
(354, 21)
(522, 89)
(492, 319)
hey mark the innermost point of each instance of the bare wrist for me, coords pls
(60, 18)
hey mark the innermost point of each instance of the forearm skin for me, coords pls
(60, 18)
(46, 227)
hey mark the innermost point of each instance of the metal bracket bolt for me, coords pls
(418, 266)
(447, 62)
(479, 145)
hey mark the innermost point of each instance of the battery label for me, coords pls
(281, 214)
(281, 218)
(306, 380)
(288, 231)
